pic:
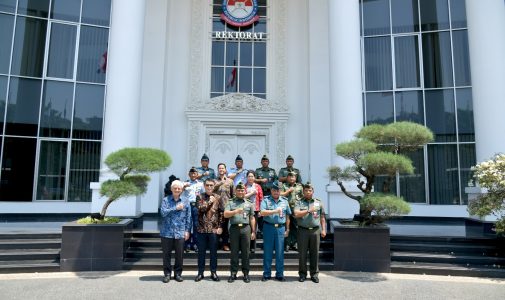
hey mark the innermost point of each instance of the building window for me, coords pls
(238, 65)
(53, 66)
(416, 68)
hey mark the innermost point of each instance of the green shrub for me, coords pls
(90, 220)
(383, 206)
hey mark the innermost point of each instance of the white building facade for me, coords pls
(171, 75)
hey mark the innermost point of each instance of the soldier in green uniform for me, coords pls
(265, 176)
(283, 172)
(309, 212)
(294, 192)
(240, 212)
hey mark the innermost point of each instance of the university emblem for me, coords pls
(240, 13)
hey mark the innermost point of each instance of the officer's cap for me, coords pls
(291, 173)
(308, 185)
(265, 157)
(240, 186)
(192, 170)
(290, 157)
(276, 185)
(205, 157)
(239, 158)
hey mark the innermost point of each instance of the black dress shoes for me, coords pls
(246, 278)
(198, 277)
(302, 278)
(214, 277)
(264, 279)
(178, 278)
(281, 279)
(232, 278)
(314, 279)
(166, 279)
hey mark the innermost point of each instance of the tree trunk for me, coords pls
(105, 206)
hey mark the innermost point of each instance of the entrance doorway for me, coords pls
(225, 147)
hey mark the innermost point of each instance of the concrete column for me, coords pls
(345, 91)
(486, 38)
(122, 104)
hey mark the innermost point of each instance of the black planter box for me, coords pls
(361, 249)
(94, 247)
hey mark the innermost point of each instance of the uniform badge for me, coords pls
(240, 13)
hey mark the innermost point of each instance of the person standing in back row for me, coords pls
(265, 175)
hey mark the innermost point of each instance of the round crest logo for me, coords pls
(240, 13)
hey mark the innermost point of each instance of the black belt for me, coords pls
(240, 225)
(276, 225)
(309, 228)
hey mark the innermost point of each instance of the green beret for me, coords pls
(265, 157)
(240, 186)
(308, 185)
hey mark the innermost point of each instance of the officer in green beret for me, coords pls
(240, 212)
(294, 192)
(283, 172)
(309, 213)
(265, 175)
(204, 172)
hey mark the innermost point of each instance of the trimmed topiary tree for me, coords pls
(131, 165)
(491, 176)
(379, 150)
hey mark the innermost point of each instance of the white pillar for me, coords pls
(124, 69)
(345, 90)
(486, 38)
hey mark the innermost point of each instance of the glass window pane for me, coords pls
(84, 168)
(92, 62)
(412, 187)
(437, 60)
(29, 44)
(24, 106)
(378, 69)
(68, 10)
(231, 80)
(379, 108)
(440, 115)
(56, 113)
(18, 167)
(6, 30)
(260, 26)
(246, 54)
(231, 54)
(217, 80)
(52, 170)
(376, 17)
(38, 8)
(405, 16)
(260, 80)
(61, 51)
(96, 12)
(467, 159)
(260, 54)
(3, 101)
(464, 105)
(434, 15)
(407, 62)
(443, 174)
(88, 112)
(8, 6)
(458, 13)
(409, 106)
(245, 80)
(218, 53)
(379, 184)
(218, 25)
(461, 58)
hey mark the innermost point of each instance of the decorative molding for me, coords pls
(238, 103)
(193, 142)
(280, 28)
(281, 141)
(199, 15)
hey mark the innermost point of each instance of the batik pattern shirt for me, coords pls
(174, 222)
(210, 217)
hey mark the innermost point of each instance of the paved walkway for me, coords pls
(333, 285)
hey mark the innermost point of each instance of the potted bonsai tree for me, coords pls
(377, 150)
(490, 175)
(97, 243)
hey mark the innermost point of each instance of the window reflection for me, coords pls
(440, 114)
(88, 112)
(407, 62)
(379, 108)
(38, 8)
(92, 62)
(67, 10)
(23, 106)
(404, 16)
(467, 159)
(8, 6)
(61, 51)
(96, 12)
(56, 111)
(409, 106)
(52, 170)
(378, 70)
(434, 15)
(461, 58)
(464, 105)
(3, 101)
(6, 26)
(376, 14)
(84, 168)
(437, 60)
(29, 44)
(412, 186)
(443, 174)
(458, 13)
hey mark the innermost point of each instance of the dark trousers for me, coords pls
(167, 245)
(193, 239)
(225, 235)
(240, 240)
(273, 239)
(259, 227)
(207, 241)
(291, 238)
(308, 240)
